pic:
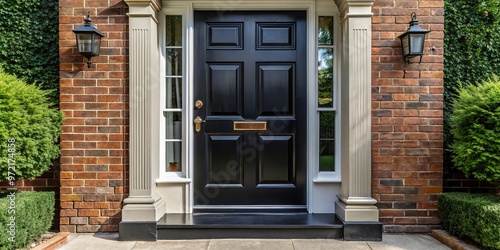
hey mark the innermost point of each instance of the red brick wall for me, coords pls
(94, 102)
(407, 121)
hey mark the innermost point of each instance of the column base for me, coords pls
(360, 221)
(357, 211)
(143, 209)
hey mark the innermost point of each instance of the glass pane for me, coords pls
(84, 42)
(325, 30)
(174, 93)
(404, 41)
(174, 157)
(325, 78)
(327, 141)
(417, 43)
(174, 30)
(174, 62)
(173, 125)
(97, 44)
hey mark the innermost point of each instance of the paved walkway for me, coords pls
(390, 242)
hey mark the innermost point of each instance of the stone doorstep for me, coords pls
(451, 241)
(51, 244)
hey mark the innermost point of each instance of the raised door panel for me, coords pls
(276, 92)
(224, 161)
(225, 89)
(276, 161)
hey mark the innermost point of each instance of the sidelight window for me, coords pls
(326, 93)
(173, 94)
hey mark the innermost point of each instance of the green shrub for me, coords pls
(475, 124)
(33, 213)
(471, 50)
(29, 42)
(28, 126)
(473, 216)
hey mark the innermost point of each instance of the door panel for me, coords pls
(225, 89)
(276, 164)
(225, 160)
(250, 67)
(276, 35)
(225, 36)
(276, 89)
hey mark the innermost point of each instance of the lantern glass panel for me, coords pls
(417, 43)
(97, 44)
(84, 42)
(405, 43)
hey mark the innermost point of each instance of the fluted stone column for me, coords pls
(355, 205)
(144, 206)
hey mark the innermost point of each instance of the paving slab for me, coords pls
(97, 242)
(172, 245)
(407, 242)
(323, 244)
(250, 244)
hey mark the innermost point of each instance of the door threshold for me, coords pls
(250, 209)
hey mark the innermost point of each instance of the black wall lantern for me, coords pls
(413, 40)
(88, 40)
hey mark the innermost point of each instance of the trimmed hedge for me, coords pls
(33, 213)
(29, 130)
(473, 216)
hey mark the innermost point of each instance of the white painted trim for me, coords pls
(173, 180)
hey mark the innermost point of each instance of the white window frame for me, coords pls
(328, 9)
(183, 10)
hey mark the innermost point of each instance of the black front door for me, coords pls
(250, 75)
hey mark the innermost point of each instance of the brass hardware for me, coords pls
(198, 121)
(250, 125)
(198, 104)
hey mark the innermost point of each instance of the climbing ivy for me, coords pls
(472, 50)
(29, 42)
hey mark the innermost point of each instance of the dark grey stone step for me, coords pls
(249, 225)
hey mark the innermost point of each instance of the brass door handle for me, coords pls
(198, 121)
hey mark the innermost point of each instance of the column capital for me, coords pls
(144, 8)
(351, 8)
(155, 4)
